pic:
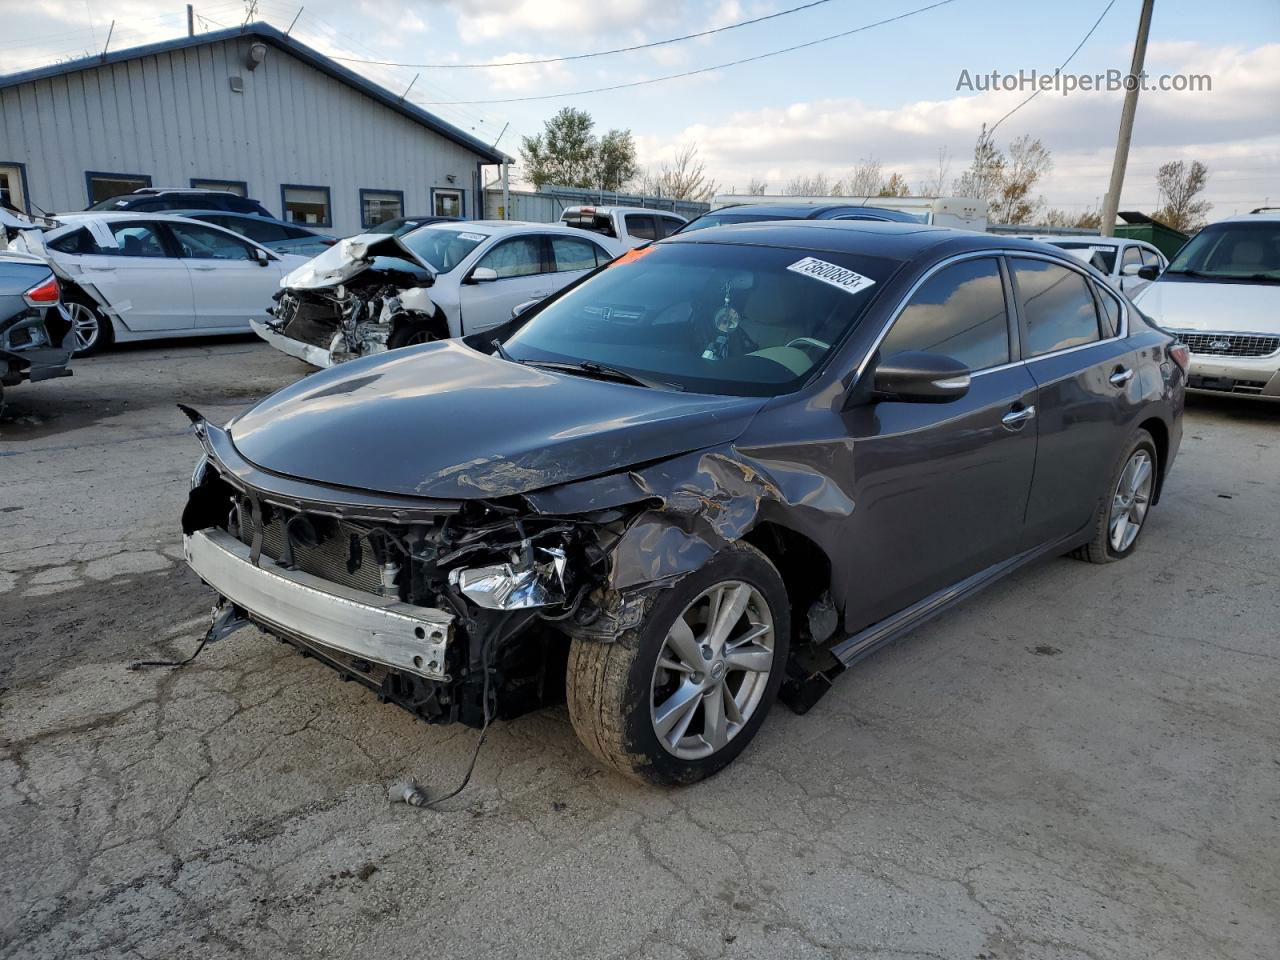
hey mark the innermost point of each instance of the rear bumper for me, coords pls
(306, 352)
(382, 630)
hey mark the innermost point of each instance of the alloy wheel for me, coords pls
(1130, 501)
(713, 670)
(86, 324)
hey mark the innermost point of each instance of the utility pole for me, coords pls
(191, 20)
(1111, 205)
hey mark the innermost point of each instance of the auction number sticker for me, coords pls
(472, 236)
(847, 280)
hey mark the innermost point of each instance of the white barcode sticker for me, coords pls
(472, 236)
(850, 281)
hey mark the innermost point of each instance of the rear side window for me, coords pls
(641, 227)
(595, 222)
(960, 312)
(77, 242)
(1058, 309)
(259, 230)
(1110, 311)
(136, 240)
(574, 254)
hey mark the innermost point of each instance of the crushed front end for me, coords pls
(455, 611)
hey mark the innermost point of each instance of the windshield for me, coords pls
(1104, 258)
(711, 318)
(720, 219)
(1232, 251)
(441, 246)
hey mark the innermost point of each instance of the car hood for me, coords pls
(1204, 305)
(444, 421)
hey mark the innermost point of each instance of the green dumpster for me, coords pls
(1138, 226)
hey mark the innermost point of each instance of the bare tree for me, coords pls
(685, 178)
(983, 178)
(1027, 163)
(895, 186)
(817, 185)
(1178, 186)
(936, 185)
(757, 187)
(865, 180)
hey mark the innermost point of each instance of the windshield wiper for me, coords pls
(602, 372)
(501, 351)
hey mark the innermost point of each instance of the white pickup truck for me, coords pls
(630, 225)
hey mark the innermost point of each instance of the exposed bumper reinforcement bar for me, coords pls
(383, 630)
(306, 352)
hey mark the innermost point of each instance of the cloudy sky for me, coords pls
(888, 93)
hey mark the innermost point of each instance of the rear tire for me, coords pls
(1125, 504)
(674, 701)
(93, 332)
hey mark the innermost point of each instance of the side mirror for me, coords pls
(261, 256)
(483, 275)
(1148, 272)
(520, 308)
(1130, 269)
(917, 377)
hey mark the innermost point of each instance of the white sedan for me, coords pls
(376, 292)
(1129, 265)
(135, 276)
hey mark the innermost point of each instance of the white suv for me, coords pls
(1221, 296)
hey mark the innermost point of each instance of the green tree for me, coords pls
(568, 154)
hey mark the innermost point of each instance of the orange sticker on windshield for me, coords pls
(631, 256)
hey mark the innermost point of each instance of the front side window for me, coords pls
(1235, 250)
(446, 203)
(641, 227)
(708, 317)
(1132, 255)
(1104, 258)
(960, 312)
(206, 243)
(1057, 307)
(574, 254)
(517, 257)
(669, 225)
(307, 205)
(260, 231)
(1150, 258)
(379, 206)
(135, 239)
(105, 189)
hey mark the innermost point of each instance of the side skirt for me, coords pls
(866, 642)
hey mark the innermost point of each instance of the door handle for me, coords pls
(1017, 419)
(203, 266)
(1121, 376)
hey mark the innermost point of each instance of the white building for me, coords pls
(247, 109)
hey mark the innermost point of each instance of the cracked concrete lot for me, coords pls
(1083, 762)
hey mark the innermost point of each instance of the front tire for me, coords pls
(679, 697)
(413, 331)
(1123, 511)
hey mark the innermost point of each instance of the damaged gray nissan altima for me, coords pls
(715, 471)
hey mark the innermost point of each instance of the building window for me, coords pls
(238, 187)
(104, 186)
(446, 203)
(306, 205)
(12, 192)
(379, 206)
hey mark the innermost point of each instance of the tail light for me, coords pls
(1180, 354)
(44, 294)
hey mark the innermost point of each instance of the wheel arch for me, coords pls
(1160, 436)
(805, 567)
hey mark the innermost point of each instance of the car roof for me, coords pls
(1093, 241)
(511, 226)
(1254, 217)
(889, 239)
(602, 208)
(801, 211)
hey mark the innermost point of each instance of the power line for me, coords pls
(598, 53)
(692, 73)
(1061, 67)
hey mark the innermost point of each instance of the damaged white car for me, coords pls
(135, 276)
(376, 292)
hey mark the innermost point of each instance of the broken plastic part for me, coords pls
(408, 792)
(511, 586)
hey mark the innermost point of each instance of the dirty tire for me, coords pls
(609, 685)
(409, 332)
(1099, 548)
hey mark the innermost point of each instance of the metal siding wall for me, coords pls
(173, 116)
